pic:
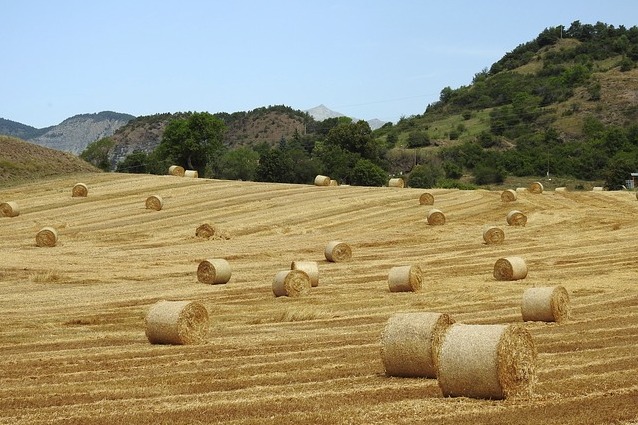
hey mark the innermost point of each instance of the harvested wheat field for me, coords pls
(74, 349)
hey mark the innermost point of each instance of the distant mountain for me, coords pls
(16, 129)
(322, 112)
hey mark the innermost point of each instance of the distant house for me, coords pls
(633, 182)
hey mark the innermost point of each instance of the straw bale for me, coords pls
(176, 170)
(191, 173)
(411, 343)
(405, 279)
(154, 202)
(333, 183)
(80, 190)
(560, 189)
(536, 187)
(600, 188)
(436, 217)
(176, 322)
(337, 251)
(322, 180)
(47, 236)
(516, 218)
(291, 283)
(487, 361)
(310, 267)
(493, 235)
(205, 231)
(521, 189)
(396, 182)
(214, 271)
(9, 209)
(508, 195)
(545, 304)
(426, 198)
(510, 268)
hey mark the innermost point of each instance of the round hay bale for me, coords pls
(436, 217)
(536, 187)
(508, 195)
(493, 235)
(411, 343)
(487, 361)
(426, 198)
(333, 183)
(205, 231)
(9, 209)
(154, 202)
(600, 189)
(396, 182)
(560, 189)
(405, 279)
(337, 252)
(191, 173)
(80, 190)
(322, 180)
(47, 236)
(510, 268)
(176, 170)
(545, 304)
(214, 271)
(291, 283)
(176, 322)
(516, 218)
(310, 267)
(521, 189)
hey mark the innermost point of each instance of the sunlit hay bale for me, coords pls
(487, 361)
(545, 304)
(205, 231)
(310, 267)
(46, 237)
(560, 189)
(9, 209)
(508, 195)
(436, 217)
(411, 343)
(493, 235)
(521, 189)
(600, 188)
(337, 252)
(154, 202)
(176, 322)
(191, 173)
(510, 268)
(176, 170)
(291, 283)
(80, 190)
(516, 218)
(536, 187)
(405, 279)
(322, 180)
(426, 198)
(333, 183)
(214, 271)
(396, 182)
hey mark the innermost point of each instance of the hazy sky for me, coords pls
(363, 58)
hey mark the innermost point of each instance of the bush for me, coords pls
(425, 176)
(367, 173)
(418, 139)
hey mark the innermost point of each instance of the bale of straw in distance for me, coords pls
(510, 268)
(80, 190)
(154, 202)
(176, 322)
(310, 267)
(560, 189)
(176, 170)
(493, 235)
(600, 188)
(405, 279)
(9, 209)
(322, 180)
(536, 187)
(291, 283)
(191, 173)
(436, 217)
(205, 231)
(545, 304)
(214, 271)
(333, 183)
(426, 198)
(47, 236)
(411, 343)
(396, 182)
(508, 195)
(487, 361)
(516, 218)
(337, 251)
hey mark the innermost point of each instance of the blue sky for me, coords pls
(366, 59)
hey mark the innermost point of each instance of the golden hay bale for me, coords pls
(426, 198)
(545, 304)
(521, 189)
(214, 271)
(510, 268)
(516, 218)
(333, 183)
(560, 189)
(154, 202)
(291, 283)
(9, 209)
(405, 279)
(310, 267)
(337, 251)
(536, 187)
(205, 231)
(191, 173)
(176, 322)
(493, 235)
(322, 180)
(411, 343)
(436, 217)
(396, 182)
(176, 170)
(80, 190)
(600, 188)
(508, 195)
(487, 361)
(47, 236)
